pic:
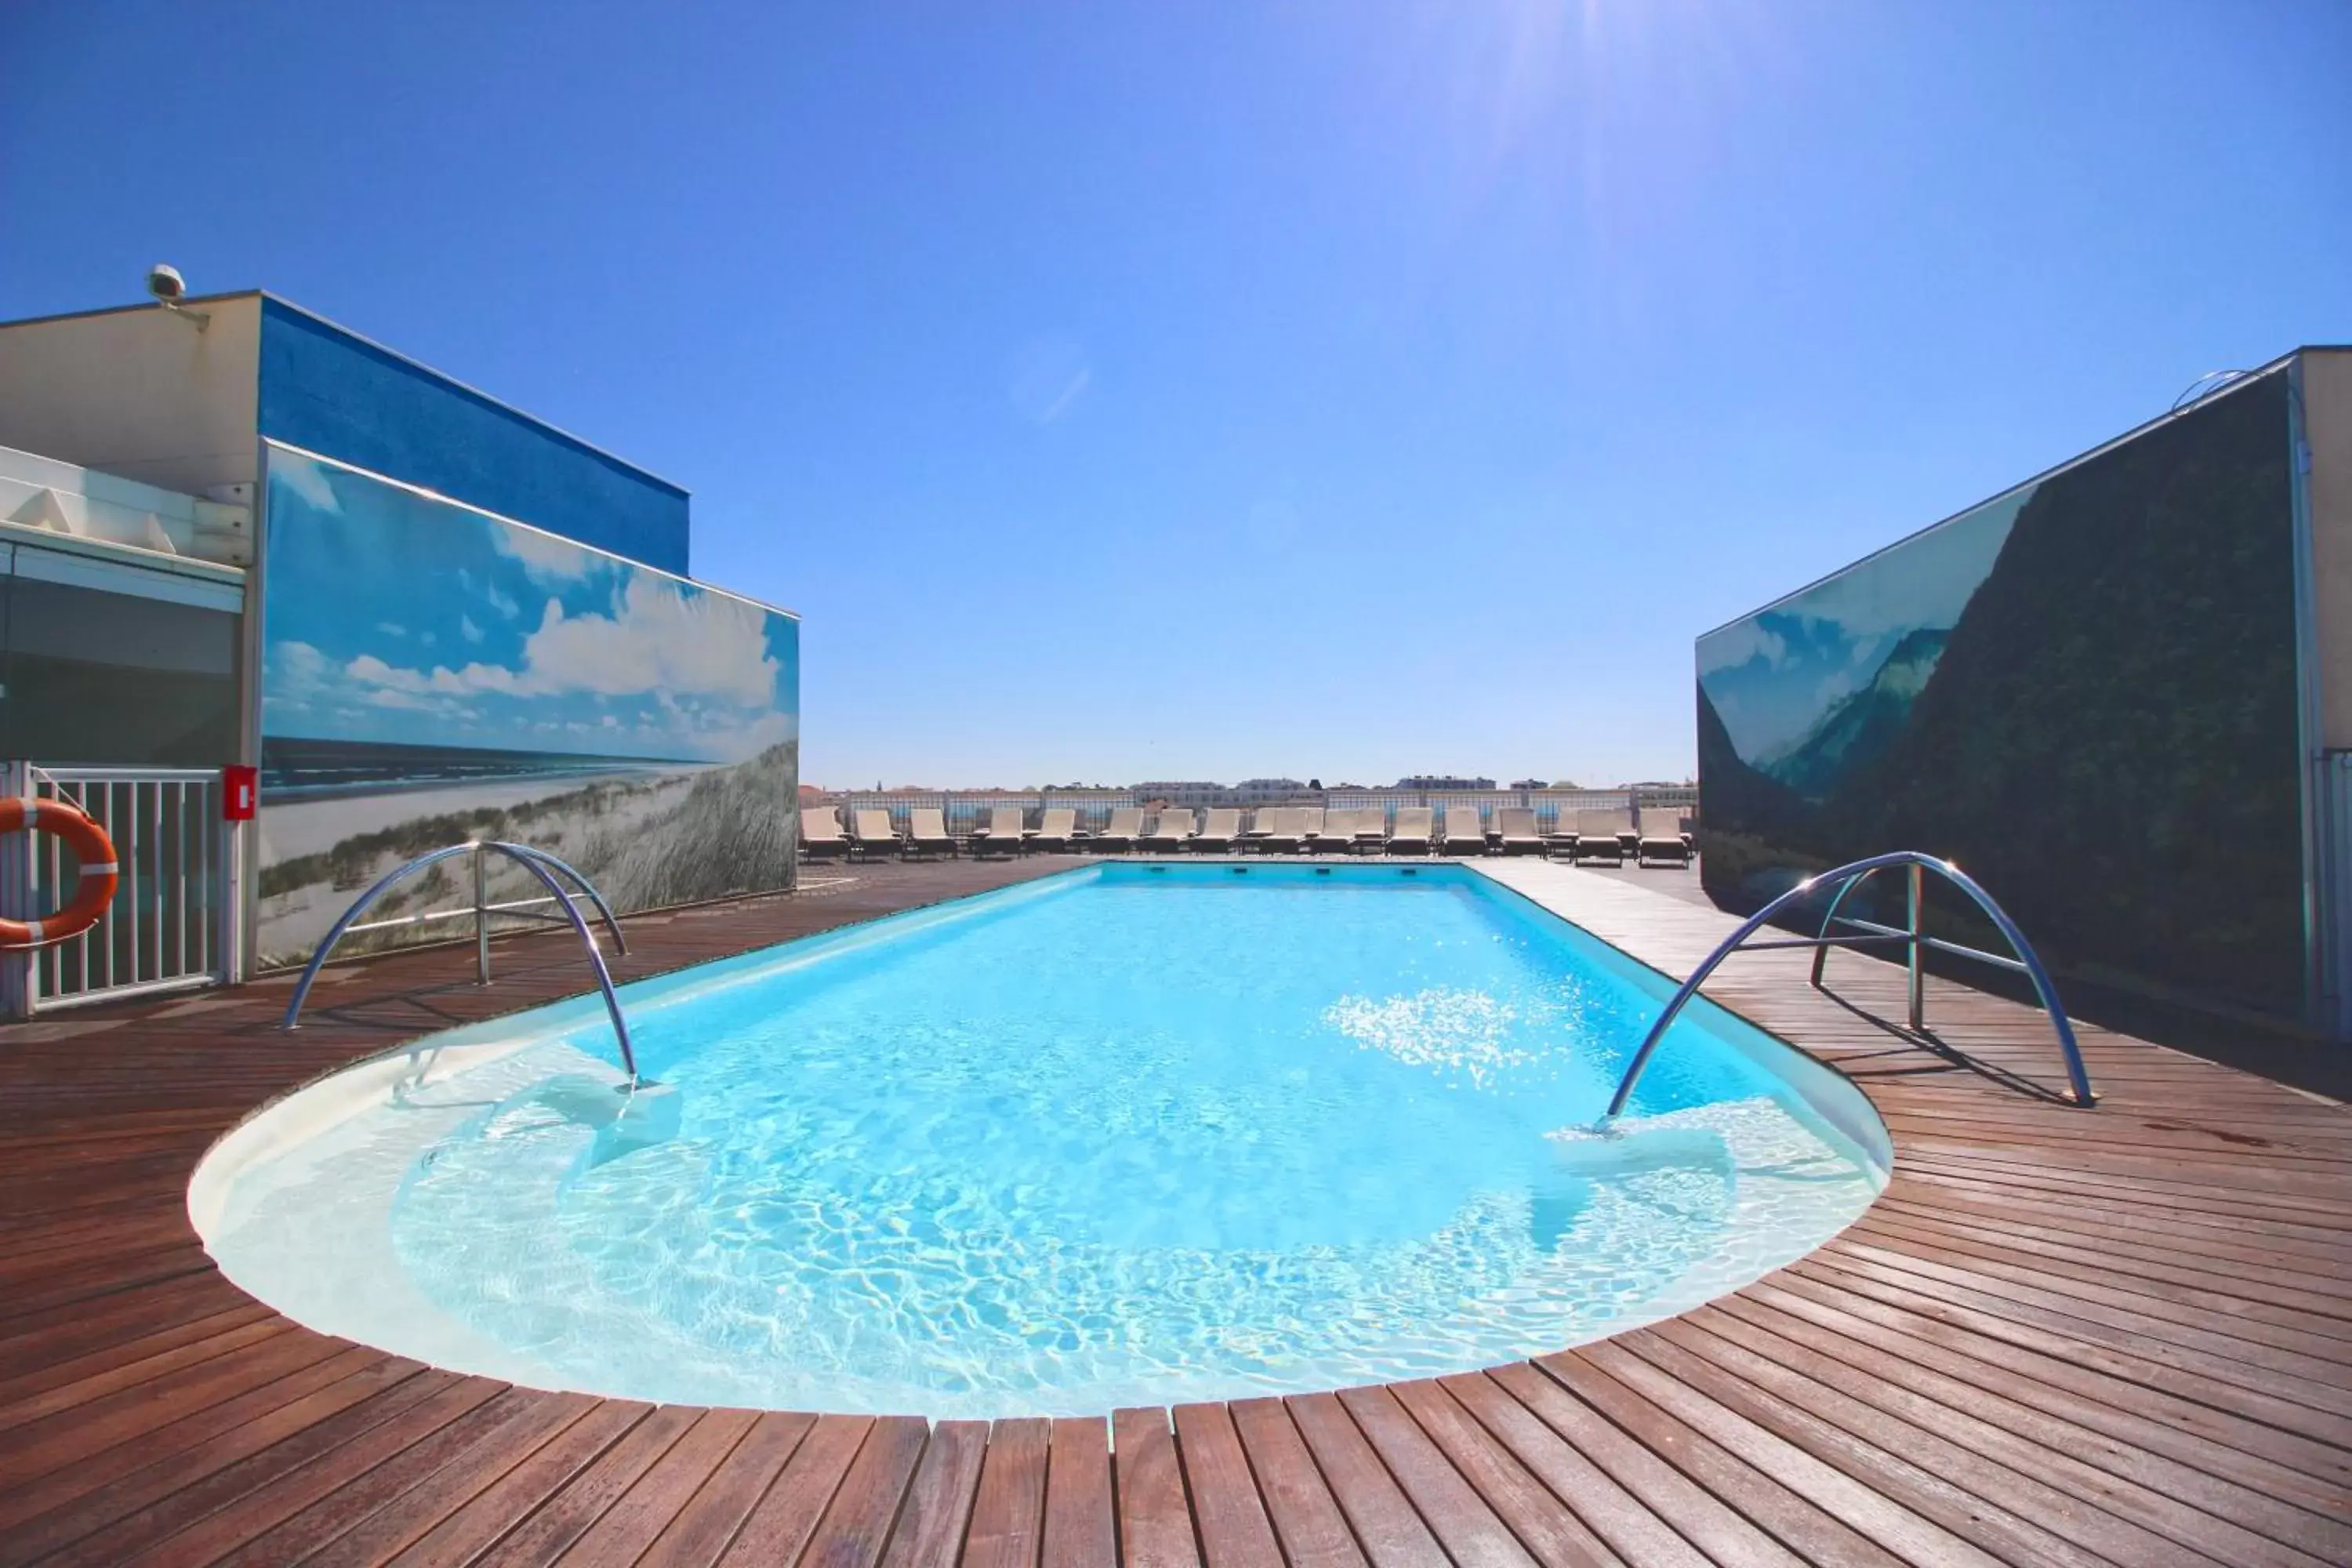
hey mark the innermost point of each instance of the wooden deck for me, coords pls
(2117, 1336)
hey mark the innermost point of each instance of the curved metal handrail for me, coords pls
(536, 861)
(1847, 876)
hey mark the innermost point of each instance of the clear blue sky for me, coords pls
(1148, 391)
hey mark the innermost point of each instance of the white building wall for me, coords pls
(139, 392)
(54, 498)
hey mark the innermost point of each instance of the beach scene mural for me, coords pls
(2082, 691)
(431, 673)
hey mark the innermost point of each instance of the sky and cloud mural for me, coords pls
(431, 673)
(2084, 690)
(1779, 677)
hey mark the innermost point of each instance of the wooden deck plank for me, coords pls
(127, 1469)
(498, 1482)
(1155, 1519)
(618, 1535)
(1227, 1512)
(781, 1524)
(1308, 1519)
(133, 1488)
(1463, 1523)
(2180, 1447)
(483, 1535)
(2042, 1476)
(1718, 1530)
(2136, 1318)
(2318, 1322)
(1883, 1520)
(1862, 1458)
(2114, 1342)
(1008, 1511)
(930, 1527)
(287, 1490)
(1081, 1510)
(702, 1529)
(80, 1383)
(206, 1494)
(1387, 1526)
(74, 1432)
(1790, 1517)
(1623, 1523)
(2321, 1379)
(856, 1524)
(1550, 1529)
(492, 1436)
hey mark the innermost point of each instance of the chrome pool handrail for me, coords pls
(1847, 876)
(541, 866)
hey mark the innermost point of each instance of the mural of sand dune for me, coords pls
(432, 673)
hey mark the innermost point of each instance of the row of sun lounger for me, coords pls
(1597, 836)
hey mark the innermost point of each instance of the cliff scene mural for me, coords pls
(432, 674)
(2081, 691)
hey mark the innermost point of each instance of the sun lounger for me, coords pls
(1465, 833)
(927, 833)
(1169, 834)
(1054, 831)
(1125, 826)
(820, 835)
(1335, 835)
(1516, 824)
(1661, 837)
(1372, 828)
(875, 836)
(1597, 836)
(1218, 832)
(1279, 831)
(1411, 833)
(1002, 836)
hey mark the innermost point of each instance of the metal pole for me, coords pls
(482, 919)
(20, 870)
(1919, 980)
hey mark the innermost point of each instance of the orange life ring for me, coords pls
(90, 845)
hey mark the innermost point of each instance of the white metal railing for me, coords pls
(168, 927)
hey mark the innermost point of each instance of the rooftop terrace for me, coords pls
(2122, 1335)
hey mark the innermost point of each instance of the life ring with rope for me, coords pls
(90, 845)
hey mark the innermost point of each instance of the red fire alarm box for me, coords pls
(240, 791)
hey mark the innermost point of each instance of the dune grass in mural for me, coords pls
(432, 674)
(2084, 692)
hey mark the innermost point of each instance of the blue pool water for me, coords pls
(1125, 1136)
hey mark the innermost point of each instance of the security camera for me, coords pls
(164, 282)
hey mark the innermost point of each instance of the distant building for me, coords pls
(1201, 793)
(1179, 791)
(1448, 781)
(1536, 784)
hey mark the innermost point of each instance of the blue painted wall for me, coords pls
(339, 395)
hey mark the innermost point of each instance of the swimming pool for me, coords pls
(1132, 1134)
